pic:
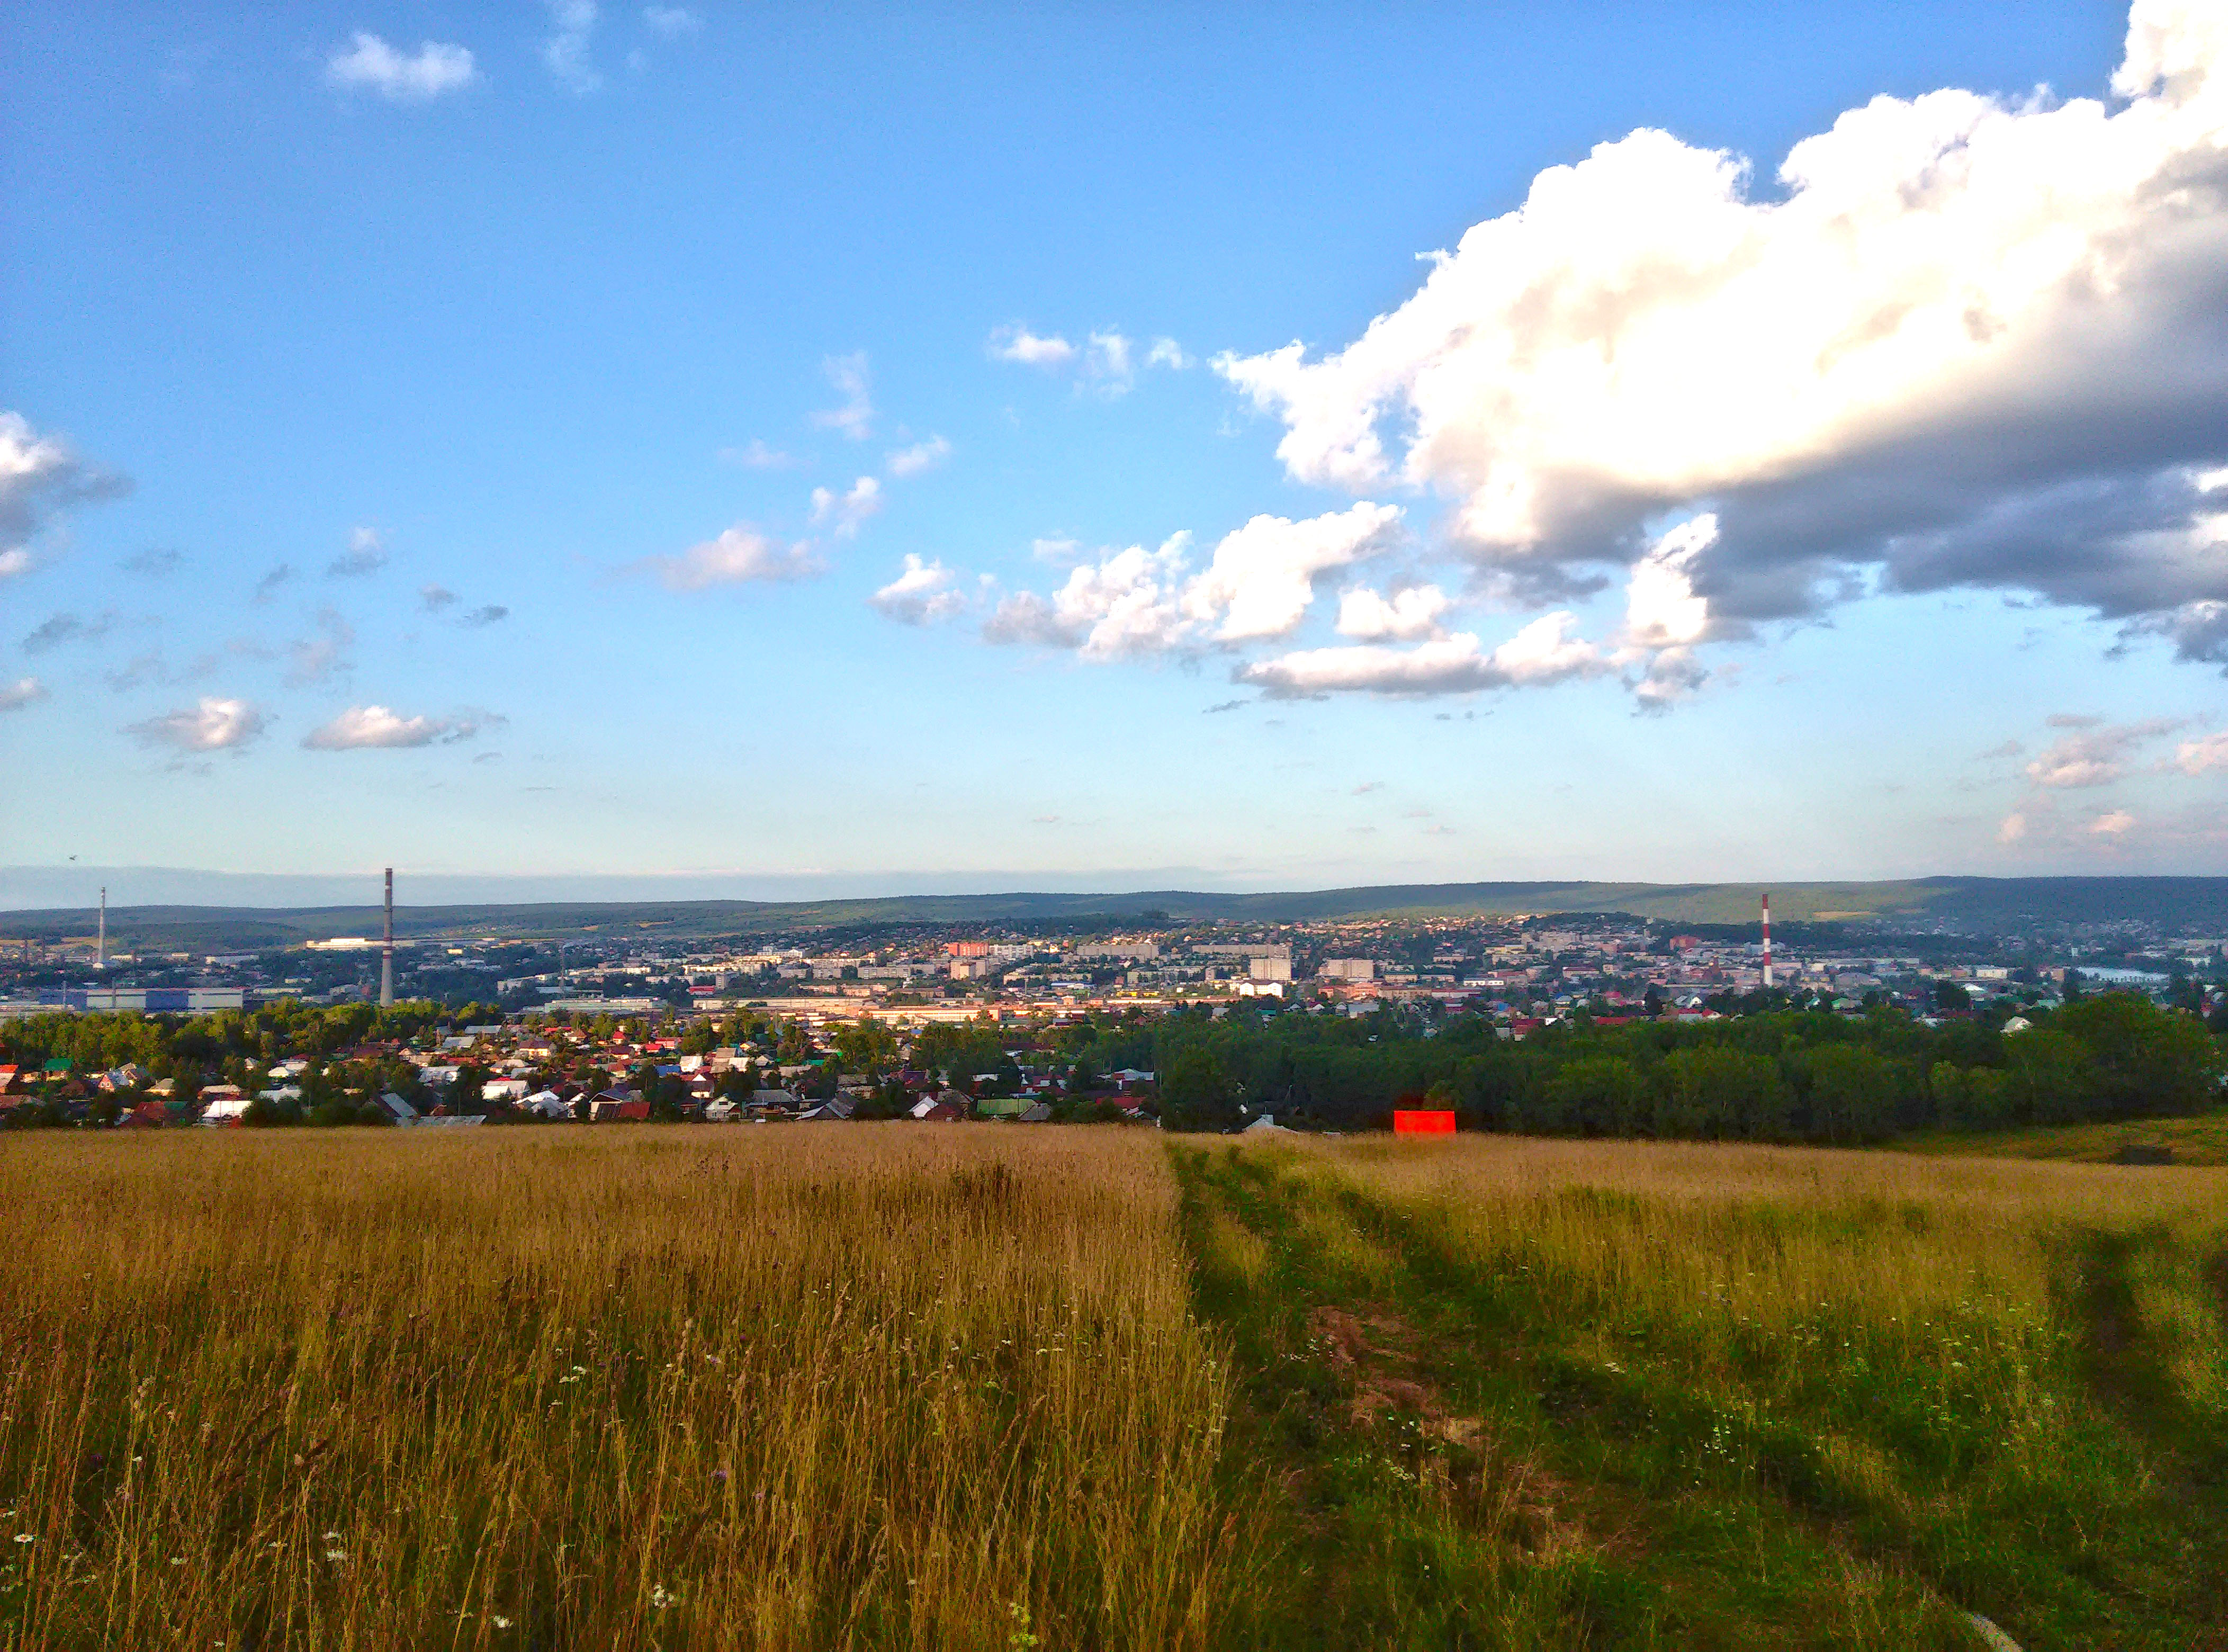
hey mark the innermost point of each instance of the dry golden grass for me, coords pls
(614, 1388)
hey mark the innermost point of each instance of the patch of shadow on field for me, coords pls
(2130, 1372)
(2117, 1366)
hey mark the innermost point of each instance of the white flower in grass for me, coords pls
(503, 1623)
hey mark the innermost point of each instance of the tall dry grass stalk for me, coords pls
(754, 1388)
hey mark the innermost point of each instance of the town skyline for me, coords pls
(671, 447)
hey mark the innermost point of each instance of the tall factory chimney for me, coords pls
(386, 949)
(100, 946)
(1767, 940)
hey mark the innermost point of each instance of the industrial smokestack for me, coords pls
(100, 946)
(386, 949)
(1767, 940)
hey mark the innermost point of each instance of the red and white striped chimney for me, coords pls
(1767, 940)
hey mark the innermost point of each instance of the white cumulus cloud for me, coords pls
(1018, 343)
(843, 513)
(1546, 650)
(1262, 577)
(368, 63)
(1967, 341)
(40, 476)
(14, 696)
(373, 727)
(1406, 615)
(211, 725)
(739, 556)
(1257, 584)
(1126, 603)
(923, 593)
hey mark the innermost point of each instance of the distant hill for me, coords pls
(1978, 904)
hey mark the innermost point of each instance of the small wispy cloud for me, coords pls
(755, 455)
(325, 654)
(154, 564)
(841, 514)
(849, 374)
(365, 555)
(268, 586)
(923, 593)
(361, 728)
(14, 696)
(367, 63)
(671, 22)
(1017, 343)
(565, 52)
(489, 615)
(150, 666)
(58, 629)
(434, 597)
(210, 725)
(741, 555)
(920, 457)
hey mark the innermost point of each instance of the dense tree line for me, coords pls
(1786, 1076)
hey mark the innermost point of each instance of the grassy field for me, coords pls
(2199, 1140)
(609, 1389)
(987, 1387)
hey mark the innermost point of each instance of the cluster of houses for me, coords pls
(531, 1077)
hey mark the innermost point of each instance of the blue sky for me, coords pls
(418, 413)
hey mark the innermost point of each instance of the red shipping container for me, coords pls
(1419, 1121)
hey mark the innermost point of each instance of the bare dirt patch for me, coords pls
(1374, 1353)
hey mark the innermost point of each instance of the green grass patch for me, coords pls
(2201, 1140)
(1483, 1441)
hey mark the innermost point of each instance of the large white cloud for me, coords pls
(210, 725)
(1970, 342)
(1263, 575)
(1128, 603)
(41, 474)
(368, 63)
(1257, 584)
(377, 727)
